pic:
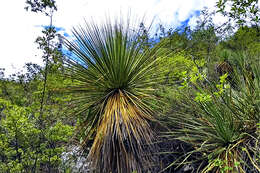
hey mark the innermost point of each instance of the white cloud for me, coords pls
(17, 36)
(18, 31)
(193, 22)
(218, 18)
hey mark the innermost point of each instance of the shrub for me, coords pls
(220, 122)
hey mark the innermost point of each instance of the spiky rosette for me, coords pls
(113, 76)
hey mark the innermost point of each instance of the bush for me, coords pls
(24, 147)
(221, 122)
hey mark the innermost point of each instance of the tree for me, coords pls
(244, 39)
(44, 6)
(243, 12)
(112, 77)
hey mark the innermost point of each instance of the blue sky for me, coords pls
(19, 28)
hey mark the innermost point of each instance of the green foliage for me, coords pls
(34, 128)
(41, 6)
(22, 148)
(203, 42)
(221, 123)
(174, 67)
(244, 39)
(113, 78)
(118, 80)
(241, 11)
